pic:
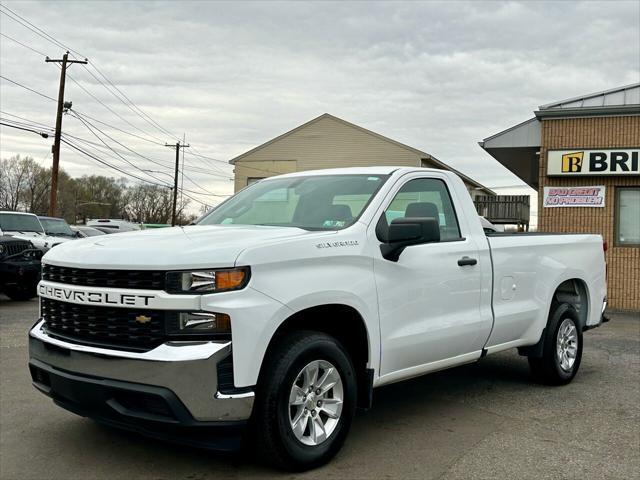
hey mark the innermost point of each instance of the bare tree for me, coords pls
(13, 181)
(150, 204)
(37, 186)
(25, 185)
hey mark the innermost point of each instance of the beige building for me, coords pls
(330, 142)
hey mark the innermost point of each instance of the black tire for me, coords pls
(20, 293)
(548, 369)
(275, 440)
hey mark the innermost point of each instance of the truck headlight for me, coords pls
(208, 281)
(196, 323)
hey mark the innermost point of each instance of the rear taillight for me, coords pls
(605, 247)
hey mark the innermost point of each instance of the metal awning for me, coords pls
(518, 149)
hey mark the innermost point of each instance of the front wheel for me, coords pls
(305, 401)
(562, 352)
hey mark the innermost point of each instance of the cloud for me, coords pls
(437, 76)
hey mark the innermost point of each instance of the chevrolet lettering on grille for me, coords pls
(94, 297)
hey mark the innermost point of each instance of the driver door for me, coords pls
(429, 305)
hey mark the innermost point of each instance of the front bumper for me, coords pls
(170, 388)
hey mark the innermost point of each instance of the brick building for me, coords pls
(583, 157)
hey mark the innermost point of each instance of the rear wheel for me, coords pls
(562, 352)
(305, 401)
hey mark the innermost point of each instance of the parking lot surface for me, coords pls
(486, 420)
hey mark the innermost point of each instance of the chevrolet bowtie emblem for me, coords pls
(143, 319)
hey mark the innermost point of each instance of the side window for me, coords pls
(426, 197)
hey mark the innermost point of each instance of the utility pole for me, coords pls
(177, 146)
(56, 144)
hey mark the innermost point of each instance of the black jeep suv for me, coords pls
(19, 268)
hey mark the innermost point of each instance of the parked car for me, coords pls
(118, 225)
(84, 231)
(57, 227)
(28, 227)
(281, 310)
(19, 268)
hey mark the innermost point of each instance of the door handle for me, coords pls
(464, 261)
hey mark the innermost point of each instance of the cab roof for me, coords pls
(382, 170)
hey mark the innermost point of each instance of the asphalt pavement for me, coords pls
(485, 420)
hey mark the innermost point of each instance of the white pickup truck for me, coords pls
(282, 309)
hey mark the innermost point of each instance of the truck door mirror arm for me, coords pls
(404, 232)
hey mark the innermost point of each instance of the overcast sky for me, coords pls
(437, 76)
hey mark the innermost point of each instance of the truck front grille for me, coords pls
(105, 326)
(138, 279)
(13, 248)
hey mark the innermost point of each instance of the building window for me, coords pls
(252, 180)
(628, 217)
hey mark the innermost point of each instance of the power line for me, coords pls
(87, 123)
(27, 124)
(42, 134)
(156, 162)
(208, 166)
(28, 88)
(199, 186)
(124, 172)
(24, 45)
(120, 156)
(34, 124)
(128, 102)
(108, 149)
(27, 24)
(102, 150)
(109, 108)
(26, 119)
(227, 163)
(118, 129)
(104, 162)
(113, 90)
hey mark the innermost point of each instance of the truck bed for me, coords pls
(529, 267)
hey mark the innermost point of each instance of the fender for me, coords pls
(335, 297)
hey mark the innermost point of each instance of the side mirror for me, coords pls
(404, 232)
(79, 235)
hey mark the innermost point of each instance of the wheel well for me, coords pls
(345, 324)
(574, 292)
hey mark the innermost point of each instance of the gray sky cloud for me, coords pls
(437, 76)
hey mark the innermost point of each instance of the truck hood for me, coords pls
(39, 240)
(169, 248)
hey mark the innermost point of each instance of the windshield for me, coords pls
(319, 202)
(56, 226)
(13, 222)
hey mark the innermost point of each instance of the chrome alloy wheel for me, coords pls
(567, 344)
(315, 402)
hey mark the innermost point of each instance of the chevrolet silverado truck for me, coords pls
(278, 313)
